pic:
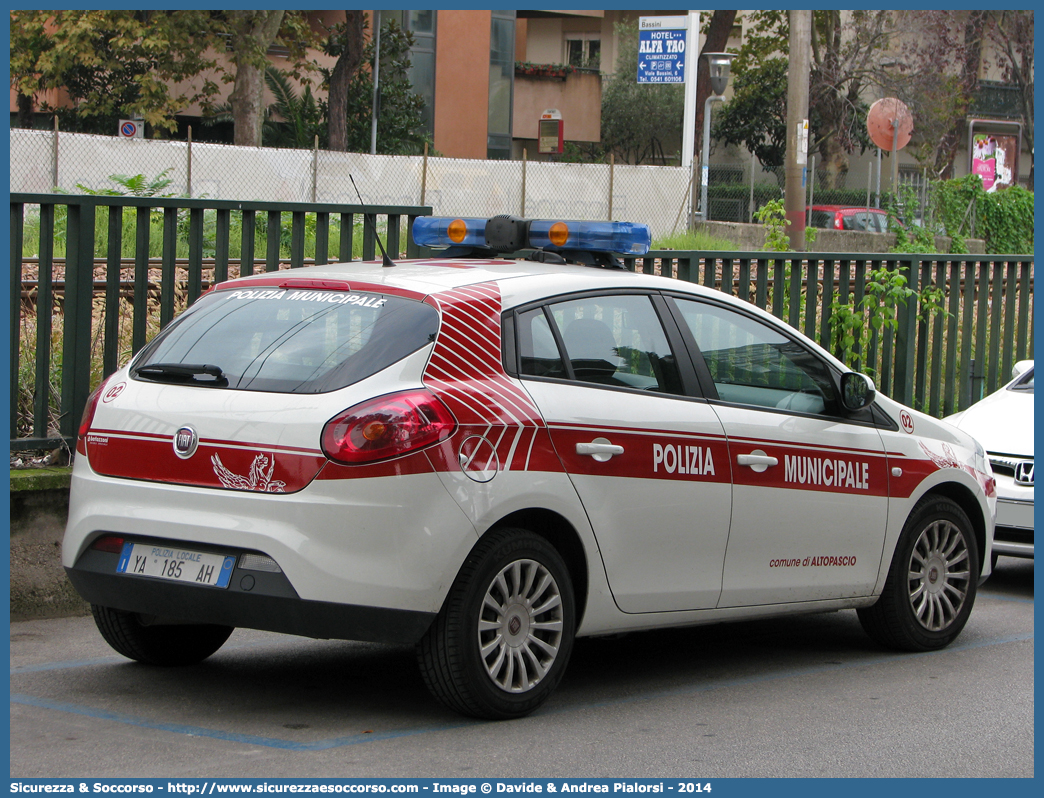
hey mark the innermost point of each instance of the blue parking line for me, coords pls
(216, 734)
(357, 739)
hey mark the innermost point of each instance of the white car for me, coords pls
(491, 457)
(1003, 424)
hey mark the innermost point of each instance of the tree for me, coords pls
(1011, 33)
(756, 116)
(845, 53)
(29, 39)
(291, 121)
(638, 119)
(117, 63)
(934, 69)
(399, 130)
(252, 33)
(112, 64)
(844, 56)
(301, 114)
(347, 44)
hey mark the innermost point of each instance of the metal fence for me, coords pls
(937, 362)
(736, 190)
(93, 278)
(659, 196)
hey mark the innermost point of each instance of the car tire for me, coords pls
(501, 642)
(931, 584)
(184, 644)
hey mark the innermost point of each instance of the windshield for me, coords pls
(1025, 383)
(287, 340)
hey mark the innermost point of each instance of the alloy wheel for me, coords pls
(939, 575)
(520, 626)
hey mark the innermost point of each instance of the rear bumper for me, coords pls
(393, 542)
(253, 599)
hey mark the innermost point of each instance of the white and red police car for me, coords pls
(490, 457)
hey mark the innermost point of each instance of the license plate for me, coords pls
(176, 565)
(1016, 514)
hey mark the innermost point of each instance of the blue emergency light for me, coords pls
(511, 233)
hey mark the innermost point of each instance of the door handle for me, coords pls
(757, 460)
(600, 449)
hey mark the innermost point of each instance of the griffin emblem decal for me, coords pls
(259, 478)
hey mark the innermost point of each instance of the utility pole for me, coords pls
(797, 126)
(376, 81)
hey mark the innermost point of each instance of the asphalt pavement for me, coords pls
(805, 696)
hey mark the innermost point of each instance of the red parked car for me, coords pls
(848, 217)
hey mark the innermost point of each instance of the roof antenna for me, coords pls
(387, 261)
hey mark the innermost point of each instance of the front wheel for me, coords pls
(182, 644)
(931, 583)
(501, 642)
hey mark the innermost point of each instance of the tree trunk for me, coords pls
(253, 32)
(835, 164)
(973, 31)
(25, 111)
(348, 62)
(717, 38)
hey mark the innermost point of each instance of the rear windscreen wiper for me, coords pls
(197, 374)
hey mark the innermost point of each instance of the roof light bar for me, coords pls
(435, 231)
(510, 233)
(624, 237)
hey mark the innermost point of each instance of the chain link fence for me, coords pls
(42, 161)
(736, 190)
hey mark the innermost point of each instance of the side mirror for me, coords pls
(857, 391)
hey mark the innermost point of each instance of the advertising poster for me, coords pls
(994, 159)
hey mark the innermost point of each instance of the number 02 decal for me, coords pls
(907, 421)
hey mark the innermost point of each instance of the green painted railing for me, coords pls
(936, 362)
(108, 296)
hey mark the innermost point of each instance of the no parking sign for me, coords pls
(131, 129)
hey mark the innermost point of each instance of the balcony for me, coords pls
(995, 100)
(577, 93)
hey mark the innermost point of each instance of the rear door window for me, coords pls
(613, 340)
(288, 340)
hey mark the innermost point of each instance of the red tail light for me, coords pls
(92, 404)
(110, 543)
(386, 427)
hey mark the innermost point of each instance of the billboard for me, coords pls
(995, 160)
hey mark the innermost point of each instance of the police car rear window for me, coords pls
(287, 340)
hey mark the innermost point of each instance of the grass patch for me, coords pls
(31, 234)
(697, 240)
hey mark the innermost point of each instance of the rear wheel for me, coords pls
(931, 583)
(182, 644)
(502, 640)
